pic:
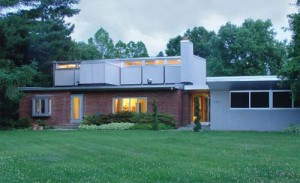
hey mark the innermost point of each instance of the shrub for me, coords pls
(106, 119)
(293, 129)
(141, 118)
(23, 123)
(41, 122)
(167, 119)
(197, 114)
(154, 116)
(116, 126)
(111, 126)
(143, 126)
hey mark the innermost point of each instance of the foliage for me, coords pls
(147, 126)
(109, 118)
(12, 77)
(249, 49)
(293, 129)
(197, 123)
(290, 73)
(103, 43)
(23, 123)
(110, 126)
(41, 122)
(155, 121)
(137, 118)
(148, 156)
(83, 51)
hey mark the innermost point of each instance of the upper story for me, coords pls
(186, 69)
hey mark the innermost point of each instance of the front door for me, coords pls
(76, 108)
(204, 106)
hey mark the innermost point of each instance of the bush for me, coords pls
(23, 123)
(138, 118)
(111, 126)
(148, 126)
(106, 119)
(293, 129)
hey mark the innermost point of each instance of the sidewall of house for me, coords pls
(225, 118)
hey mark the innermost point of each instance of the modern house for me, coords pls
(92, 87)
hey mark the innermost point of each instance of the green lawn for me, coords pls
(148, 156)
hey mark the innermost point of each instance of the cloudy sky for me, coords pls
(156, 21)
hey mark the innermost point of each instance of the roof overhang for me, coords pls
(244, 83)
(195, 87)
(103, 88)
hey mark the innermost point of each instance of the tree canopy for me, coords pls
(249, 49)
(290, 72)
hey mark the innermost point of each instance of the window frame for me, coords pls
(120, 98)
(271, 104)
(249, 99)
(47, 107)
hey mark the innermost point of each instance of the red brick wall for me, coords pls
(177, 103)
(60, 111)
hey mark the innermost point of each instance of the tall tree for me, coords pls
(103, 43)
(120, 50)
(173, 46)
(290, 73)
(12, 77)
(136, 49)
(83, 51)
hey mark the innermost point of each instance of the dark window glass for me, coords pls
(259, 99)
(240, 100)
(297, 103)
(282, 100)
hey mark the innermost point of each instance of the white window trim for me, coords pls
(48, 105)
(113, 104)
(270, 100)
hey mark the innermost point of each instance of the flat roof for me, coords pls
(103, 88)
(243, 83)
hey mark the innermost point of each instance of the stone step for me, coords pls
(67, 126)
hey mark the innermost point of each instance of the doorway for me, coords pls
(204, 106)
(76, 108)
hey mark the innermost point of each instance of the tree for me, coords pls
(120, 50)
(83, 51)
(173, 46)
(12, 77)
(154, 116)
(160, 54)
(103, 43)
(249, 49)
(36, 30)
(290, 73)
(197, 123)
(135, 50)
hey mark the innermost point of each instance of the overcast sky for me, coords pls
(156, 21)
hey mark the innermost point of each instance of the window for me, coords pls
(239, 99)
(174, 62)
(282, 100)
(130, 104)
(41, 106)
(155, 62)
(133, 63)
(67, 66)
(259, 99)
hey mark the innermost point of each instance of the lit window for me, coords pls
(174, 62)
(129, 104)
(41, 106)
(239, 99)
(155, 62)
(67, 66)
(133, 63)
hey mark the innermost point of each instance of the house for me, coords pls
(92, 87)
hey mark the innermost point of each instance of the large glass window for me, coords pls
(130, 104)
(259, 99)
(41, 106)
(282, 100)
(239, 99)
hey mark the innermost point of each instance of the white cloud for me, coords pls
(155, 22)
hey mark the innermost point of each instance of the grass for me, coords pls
(148, 156)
